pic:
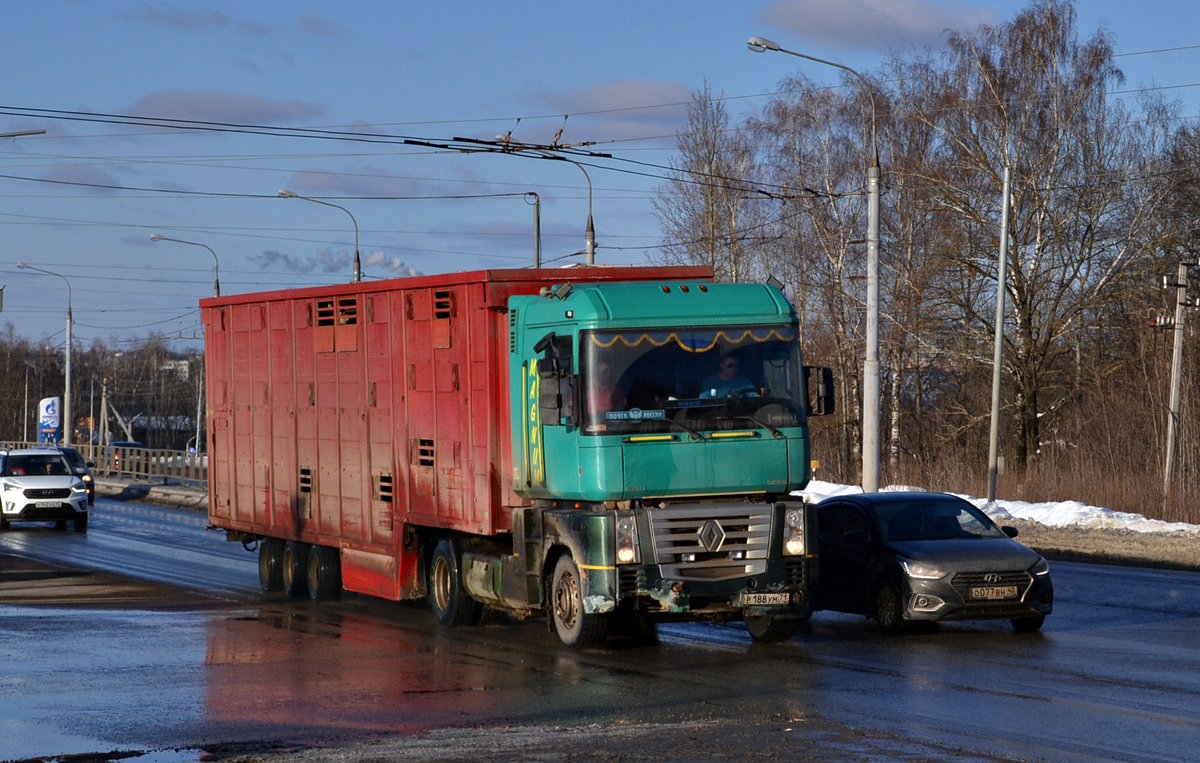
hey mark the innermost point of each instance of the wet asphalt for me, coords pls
(174, 655)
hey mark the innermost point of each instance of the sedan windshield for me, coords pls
(692, 380)
(925, 519)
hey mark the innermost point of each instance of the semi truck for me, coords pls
(602, 446)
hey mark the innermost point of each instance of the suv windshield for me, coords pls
(39, 464)
(692, 379)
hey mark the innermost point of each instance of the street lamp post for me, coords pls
(216, 262)
(285, 193)
(68, 423)
(871, 381)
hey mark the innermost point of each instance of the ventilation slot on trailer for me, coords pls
(385, 488)
(425, 452)
(306, 481)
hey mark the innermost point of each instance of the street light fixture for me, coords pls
(285, 193)
(871, 380)
(68, 423)
(216, 262)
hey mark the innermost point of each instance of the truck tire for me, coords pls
(324, 573)
(295, 568)
(270, 565)
(575, 628)
(768, 629)
(452, 605)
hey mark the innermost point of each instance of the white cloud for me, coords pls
(396, 266)
(628, 109)
(875, 24)
(217, 106)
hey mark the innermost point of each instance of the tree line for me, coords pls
(150, 392)
(1102, 208)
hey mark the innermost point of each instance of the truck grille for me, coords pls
(44, 493)
(712, 537)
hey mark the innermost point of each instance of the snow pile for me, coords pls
(1051, 513)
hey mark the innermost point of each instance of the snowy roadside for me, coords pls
(1074, 531)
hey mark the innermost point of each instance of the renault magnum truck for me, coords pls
(602, 446)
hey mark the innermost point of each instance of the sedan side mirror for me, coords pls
(1009, 530)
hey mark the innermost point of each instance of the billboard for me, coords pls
(49, 419)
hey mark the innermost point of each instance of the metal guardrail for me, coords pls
(152, 464)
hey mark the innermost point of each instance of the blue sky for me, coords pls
(84, 199)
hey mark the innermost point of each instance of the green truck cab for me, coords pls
(659, 429)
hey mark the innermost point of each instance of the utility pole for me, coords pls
(1176, 378)
(997, 351)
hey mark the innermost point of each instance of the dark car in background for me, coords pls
(118, 447)
(83, 469)
(905, 558)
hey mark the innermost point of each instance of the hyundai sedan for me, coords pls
(906, 558)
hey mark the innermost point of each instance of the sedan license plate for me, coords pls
(765, 599)
(994, 593)
(47, 504)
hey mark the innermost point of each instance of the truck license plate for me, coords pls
(993, 593)
(47, 504)
(765, 599)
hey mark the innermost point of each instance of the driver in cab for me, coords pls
(728, 380)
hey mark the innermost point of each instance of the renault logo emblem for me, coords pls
(711, 535)
(992, 577)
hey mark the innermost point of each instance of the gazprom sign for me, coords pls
(49, 419)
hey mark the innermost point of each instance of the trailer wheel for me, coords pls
(324, 573)
(577, 629)
(295, 563)
(768, 629)
(270, 565)
(452, 605)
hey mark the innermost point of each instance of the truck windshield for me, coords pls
(692, 380)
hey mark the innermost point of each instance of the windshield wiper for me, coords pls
(751, 417)
(687, 429)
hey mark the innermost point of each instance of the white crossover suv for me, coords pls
(38, 485)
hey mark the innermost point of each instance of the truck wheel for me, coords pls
(768, 629)
(452, 605)
(81, 523)
(577, 629)
(270, 565)
(324, 573)
(295, 567)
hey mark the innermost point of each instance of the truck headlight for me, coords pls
(627, 539)
(793, 542)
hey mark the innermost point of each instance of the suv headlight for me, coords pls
(921, 570)
(9, 487)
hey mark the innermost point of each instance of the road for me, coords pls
(213, 668)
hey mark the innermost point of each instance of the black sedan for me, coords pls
(906, 558)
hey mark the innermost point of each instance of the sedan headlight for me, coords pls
(921, 570)
(1041, 569)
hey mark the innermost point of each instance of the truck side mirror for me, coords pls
(556, 395)
(823, 402)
